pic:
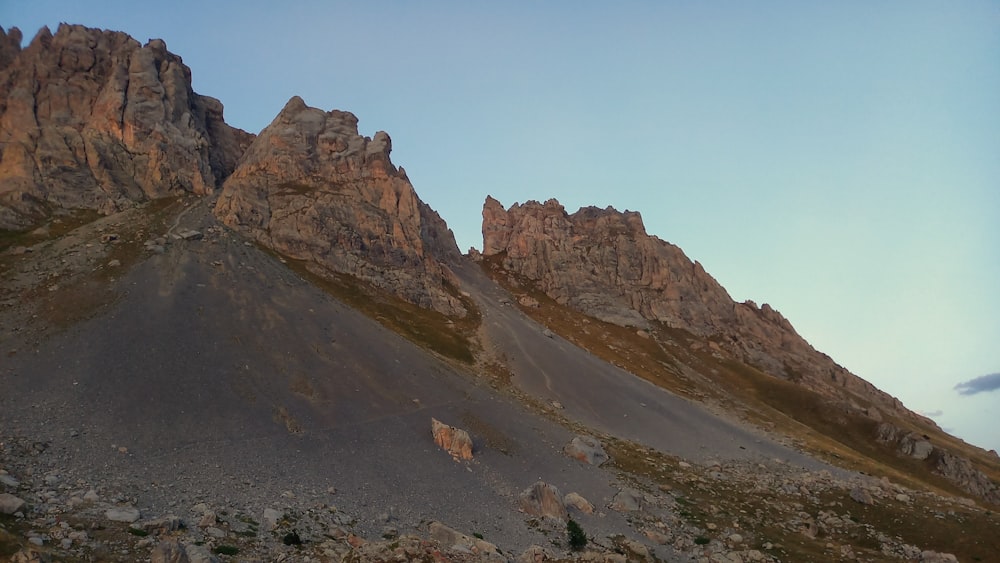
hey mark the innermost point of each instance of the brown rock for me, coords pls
(313, 189)
(576, 501)
(542, 499)
(449, 538)
(603, 263)
(453, 440)
(92, 119)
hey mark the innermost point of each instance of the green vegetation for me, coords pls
(226, 550)
(429, 329)
(292, 538)
(577, 538)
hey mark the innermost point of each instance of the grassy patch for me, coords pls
(429, 329)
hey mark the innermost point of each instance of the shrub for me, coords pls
(226, 550)
(577, 539)
(292, 538)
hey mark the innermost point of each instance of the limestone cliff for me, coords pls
(92, 119)
(312, 188)
(603, 263)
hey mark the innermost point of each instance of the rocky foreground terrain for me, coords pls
(223, 346)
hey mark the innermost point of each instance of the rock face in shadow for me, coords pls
(603, 263)
(313, 189)
(92, 119)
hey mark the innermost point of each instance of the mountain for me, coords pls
(221, 345)
(91, 119)
(602, 262)
(313, 189)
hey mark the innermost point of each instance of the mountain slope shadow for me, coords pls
(221, 376)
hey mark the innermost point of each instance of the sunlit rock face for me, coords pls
(603, 263)
(92, 119)
(312, 188)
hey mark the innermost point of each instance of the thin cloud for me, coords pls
(982, 384)
(933, 414)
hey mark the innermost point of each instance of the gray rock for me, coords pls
(8, 481)
(270, 519)
(199, 554)
(626, 501)
(162, 525)
(861, 496)
(935, 557)
(542, 499)
(126, 514)
(168, 552)
(586, 449)
(10, 504)
(576, 501)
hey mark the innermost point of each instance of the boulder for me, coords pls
(10, 504)
(861, 496)
(199, 554)
(126, 514)
(586, 449)
(626, 501)
(269, 520)
(455, 441)
(449, 538)
(169, 551)
(542, 499)
(576, 501)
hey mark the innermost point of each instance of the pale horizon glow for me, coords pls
(838, 161)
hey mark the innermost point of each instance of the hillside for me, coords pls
(225, 346)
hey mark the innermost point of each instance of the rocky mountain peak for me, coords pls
(311, 187)
(92, 119)
(603, 263)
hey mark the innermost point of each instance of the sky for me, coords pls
(838, 160)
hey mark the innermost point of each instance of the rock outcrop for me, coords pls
(586, 449)
(455, 441)
(92, 119)
(603, 263)
(543, 499)
(313, 189)
(955, 468)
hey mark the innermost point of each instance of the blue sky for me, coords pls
(837, 160)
